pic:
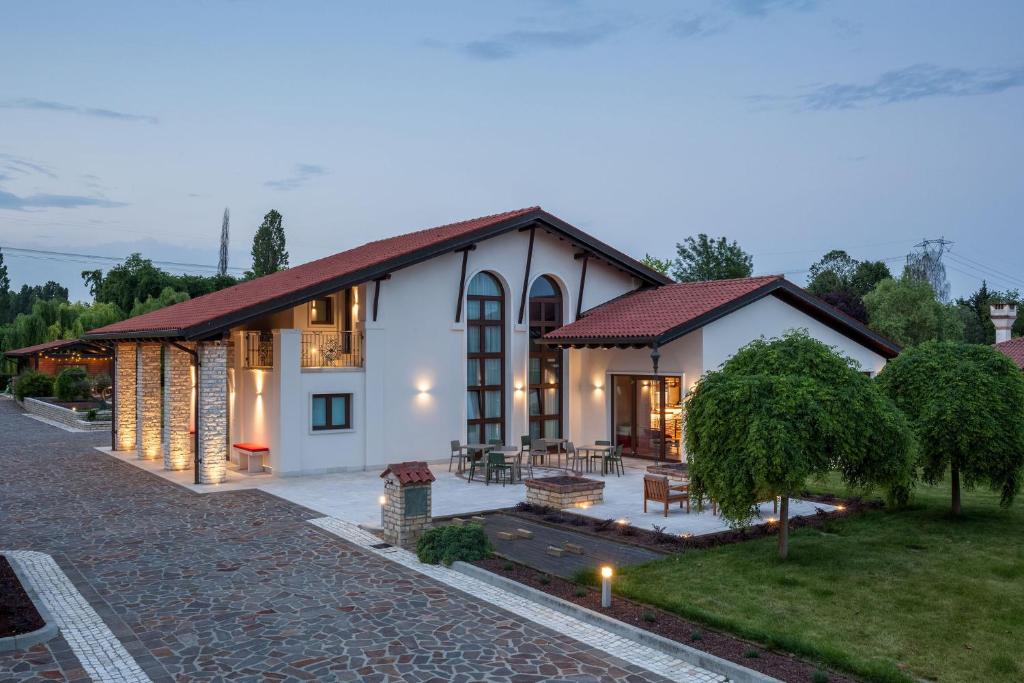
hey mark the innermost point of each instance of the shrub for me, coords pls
(91, 415)
(448, 544)
(819, 677)
(33, 384)
(101, 383)
(72, 384)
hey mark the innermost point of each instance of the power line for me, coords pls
(971, 263)
(66, 256)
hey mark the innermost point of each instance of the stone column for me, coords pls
(177, 408)
(213, 413)
(147, 410)
(124, 397)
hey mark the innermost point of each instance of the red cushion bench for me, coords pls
(250, 456)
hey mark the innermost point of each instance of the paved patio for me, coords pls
(240, 586)
(353, 496)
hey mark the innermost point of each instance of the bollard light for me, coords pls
(606, 586)
(383, 500)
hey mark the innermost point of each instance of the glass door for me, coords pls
(647, 416)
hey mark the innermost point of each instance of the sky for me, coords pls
(791, 126)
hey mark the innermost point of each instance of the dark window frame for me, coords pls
(330, 424)
(539, 326)
(480, 356)
(329, 308)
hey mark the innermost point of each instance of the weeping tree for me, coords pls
(966, 405)
(786, 409)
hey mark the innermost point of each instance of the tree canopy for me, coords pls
(976, 313)
(907, 311)
(965, 403)
(785, 409)
(704, 258)
(269, 254)
(661, 265)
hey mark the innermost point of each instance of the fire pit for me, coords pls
(564, 491)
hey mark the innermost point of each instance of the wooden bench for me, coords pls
(250, 456)
(656, 488)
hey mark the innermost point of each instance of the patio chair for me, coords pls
(656, 488)
(614, 459)
(538, 449)
(524, 444)
(574, 459)
(459, 453)
(497, 466)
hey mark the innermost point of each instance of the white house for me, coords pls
(493, 328)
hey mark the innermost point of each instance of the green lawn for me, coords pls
(887, 595)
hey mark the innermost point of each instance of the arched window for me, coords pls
(545, 397)
(485, 359)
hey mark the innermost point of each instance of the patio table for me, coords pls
(559, 443)
(474, 449)
(596, 451)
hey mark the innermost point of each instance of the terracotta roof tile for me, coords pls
(210, 307)
(1014, 348)
(45, 346)
(412, 472)
(648, 313)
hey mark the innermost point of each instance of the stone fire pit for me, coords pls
(564, 491)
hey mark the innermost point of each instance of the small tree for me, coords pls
(783, 410)
(268, 246)
(966, 405)
(32, 383)
(907, 311)
(72, 384)
(703, 258)
(659, 264)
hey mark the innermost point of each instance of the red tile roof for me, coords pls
(215, 311)
(46, 346)
(410, 472)
(650, 313)
(1014, 348)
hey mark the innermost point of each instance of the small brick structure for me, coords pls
(407, 509)
(564, 491)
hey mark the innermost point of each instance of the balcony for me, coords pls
(332, 350)
(258, 349)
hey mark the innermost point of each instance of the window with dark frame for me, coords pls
(331, 411)
(321, 311)
(485, 359)
(545, 372)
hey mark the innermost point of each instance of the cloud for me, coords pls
(915, 82)
(302, 174)
(22, 166)
(697, 27)
(49, 105)
(515, 43)
(762, 8)
(52, 201)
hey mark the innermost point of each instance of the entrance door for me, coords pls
(647, 416)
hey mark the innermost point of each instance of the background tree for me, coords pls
(907, 311)
(976, 312)
(849, 304)
(268, 247)
(782, 410)
(167, 297)
(867, 276)
(222, 264)
(703, 258)
(659, 264)
(966, 405)
(832, 273)
(5, 289)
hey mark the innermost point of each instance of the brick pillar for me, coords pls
(147, 406)
(124, 397)
(213, 413)
(177, 408)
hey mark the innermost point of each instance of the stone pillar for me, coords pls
(124, 397)
(177, 408)
(147, 409)
(408, 502)
(213, 413)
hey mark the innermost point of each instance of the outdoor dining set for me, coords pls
(506, 464)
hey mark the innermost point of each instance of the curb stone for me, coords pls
(48, 631)
(735, 672)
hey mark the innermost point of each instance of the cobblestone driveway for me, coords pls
(237, 586)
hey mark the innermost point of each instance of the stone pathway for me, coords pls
(239, 586)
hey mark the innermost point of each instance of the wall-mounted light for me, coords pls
(519, 388)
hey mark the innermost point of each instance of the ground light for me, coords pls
(383, 500)
(606, 586)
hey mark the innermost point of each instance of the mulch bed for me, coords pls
(782, 666)
(673, 543)
(17, 613)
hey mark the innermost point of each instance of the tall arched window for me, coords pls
(485, 359)
(545, 397)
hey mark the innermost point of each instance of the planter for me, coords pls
(564, 492)
(24, 621)
(72, 418)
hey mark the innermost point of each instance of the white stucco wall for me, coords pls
(772, 317)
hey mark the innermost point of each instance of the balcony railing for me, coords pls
(332, 350)
(259, 350)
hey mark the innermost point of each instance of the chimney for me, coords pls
(1003, 316)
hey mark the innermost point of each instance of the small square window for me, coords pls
(331, 411)
(321, 311)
